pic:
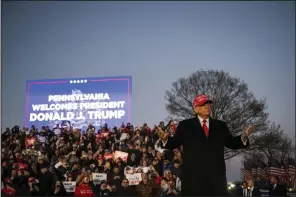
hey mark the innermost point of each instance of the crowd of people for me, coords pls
(251, 188)
(125, 161)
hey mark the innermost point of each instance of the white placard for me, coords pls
(134, 179)
(122, 155)
(57, 131)
(123, 136)
(99, 177)
(41, 139)
(69, 186)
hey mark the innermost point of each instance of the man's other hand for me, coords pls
(248, 132)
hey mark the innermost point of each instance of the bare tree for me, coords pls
(272, 143)
(233, 102)
(252, 156)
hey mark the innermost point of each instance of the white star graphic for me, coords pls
(81, 81)
(85, 81)
(74, 81)
(78, 81)
(71, 81)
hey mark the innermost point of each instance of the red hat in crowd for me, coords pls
(201, 100)
(7, 180)
(31, 180)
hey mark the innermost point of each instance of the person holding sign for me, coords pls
(203, 139)
(106, 189)
(84, 189)
(58, 189)
(125, 190)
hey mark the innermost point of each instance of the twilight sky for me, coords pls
(155, 43)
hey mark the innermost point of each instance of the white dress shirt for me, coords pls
(250, 191)
(274, 186)
(201, 121)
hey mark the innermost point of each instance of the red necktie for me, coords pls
(205, 128)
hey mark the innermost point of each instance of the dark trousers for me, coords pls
(212, 187)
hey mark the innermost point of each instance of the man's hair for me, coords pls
(251, 180)
(276, 178)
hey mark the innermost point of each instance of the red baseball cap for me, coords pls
(201, 100)
(8, 180)
(31, 180)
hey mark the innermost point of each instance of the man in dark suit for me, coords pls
(241, 189)
(277, 189)
(46, 180)
(252, 190)
(203, 139)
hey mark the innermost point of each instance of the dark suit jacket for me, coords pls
(204, 171)
(279, 190)
(239, 191)
(45, 184)
(256, 192)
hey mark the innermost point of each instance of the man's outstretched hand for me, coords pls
(248, 132)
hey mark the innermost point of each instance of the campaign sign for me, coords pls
(99, 177)
(20, 165)
(120, 154)
(108, 156)
(134, 179)
(80, 101)
(69, 186)
(30, 141)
